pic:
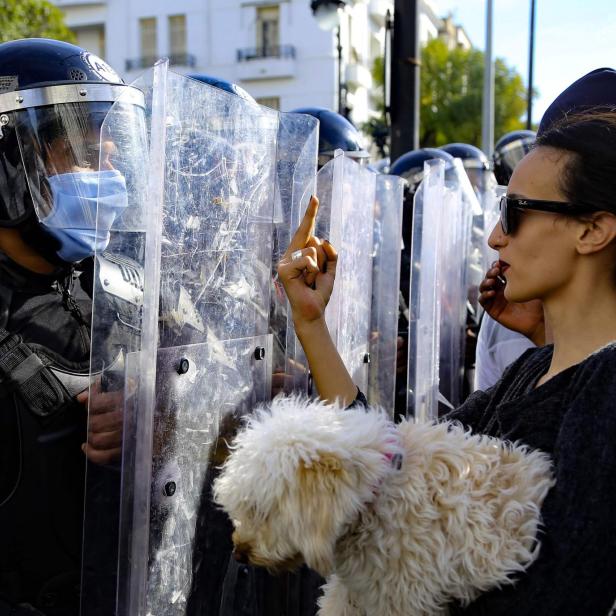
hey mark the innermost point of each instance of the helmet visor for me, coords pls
(480, 177)
(512, 153)
(67, 151)
(359, 156)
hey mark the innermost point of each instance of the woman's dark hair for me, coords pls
(589, 177)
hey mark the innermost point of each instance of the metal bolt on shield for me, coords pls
(183, 366)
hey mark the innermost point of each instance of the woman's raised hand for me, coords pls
(307, 270)
(524, 317)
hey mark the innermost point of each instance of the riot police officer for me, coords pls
(478, 169)
(54, 177)
(220, 585)
(475, 162)
(509, 150)
(223, 84)
(336, 133)
(409, 166)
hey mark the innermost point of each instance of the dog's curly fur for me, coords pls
(314, 482)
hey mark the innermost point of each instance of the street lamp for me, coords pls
(327, 13)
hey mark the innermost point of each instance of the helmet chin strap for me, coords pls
(41, 242)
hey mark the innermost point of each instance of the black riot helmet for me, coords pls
(222, 84)
(509, 150)
(475, 162)
(410, 166)
(336, 133)
(54, 97)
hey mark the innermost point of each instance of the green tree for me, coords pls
(32, 19)
(451, 96)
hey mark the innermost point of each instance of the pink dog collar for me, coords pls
(395, 459)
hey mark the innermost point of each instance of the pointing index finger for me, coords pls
(306, 227)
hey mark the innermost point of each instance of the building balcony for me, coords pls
(179, 59)
(272, 62)
(272, 51)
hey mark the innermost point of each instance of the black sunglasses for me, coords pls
(510, 210)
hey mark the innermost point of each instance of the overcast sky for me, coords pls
(572, 37)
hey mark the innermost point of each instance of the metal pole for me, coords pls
(405, 63)
(389, 26)
(531, 59)
(341, 105)
(487, 131)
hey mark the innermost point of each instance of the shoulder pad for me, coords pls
(72, 381)
(121, 277)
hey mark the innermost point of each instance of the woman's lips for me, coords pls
(504, 266)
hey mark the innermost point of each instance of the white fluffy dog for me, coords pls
(401, 519)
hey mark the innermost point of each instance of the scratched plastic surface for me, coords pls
(387, 235)
(224, 381)
(457, 260)
(298, 138)
(346, 191)
(188, 277)
(425, 286)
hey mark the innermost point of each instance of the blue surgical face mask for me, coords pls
(72, 220)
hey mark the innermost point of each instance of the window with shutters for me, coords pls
(268, 20)
(147, 37)
(177, 35)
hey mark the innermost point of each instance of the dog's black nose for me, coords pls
(241, 557)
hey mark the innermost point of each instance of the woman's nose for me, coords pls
(497, 238)
(107, 149)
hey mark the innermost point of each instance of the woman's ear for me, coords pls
(597, 233)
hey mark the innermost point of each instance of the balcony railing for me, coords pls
(178, 59)
(284, 52)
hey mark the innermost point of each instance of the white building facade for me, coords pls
(273, 49)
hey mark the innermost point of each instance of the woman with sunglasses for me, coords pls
(557, 243)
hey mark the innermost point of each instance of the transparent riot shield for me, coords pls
(117, 324)
(387, 244)
(425, 309)
(472, 200)
(298, 140)
(484, 184)
(460, 276)
(293, 593)
(180, 332)
(491, 215)
(346, 192)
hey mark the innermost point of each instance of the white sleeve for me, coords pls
(497, 348)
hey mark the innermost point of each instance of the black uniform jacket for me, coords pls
(41, 462)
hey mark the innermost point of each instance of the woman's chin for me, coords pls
(517, 295)
(512, 294)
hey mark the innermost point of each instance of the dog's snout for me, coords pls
(241, 557)
(241, 553)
